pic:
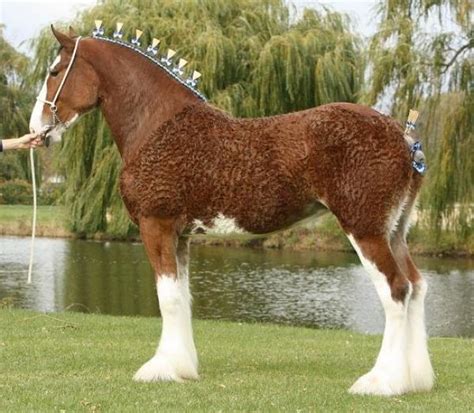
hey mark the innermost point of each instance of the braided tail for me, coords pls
(417, 155)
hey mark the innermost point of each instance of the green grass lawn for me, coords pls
(77, 363)
(16, 220)
(46, 213)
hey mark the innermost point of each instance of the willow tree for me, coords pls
(421, 56)
(254, 59)
(15, 104)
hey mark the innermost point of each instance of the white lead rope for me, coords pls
(33, 224)
(52, 105)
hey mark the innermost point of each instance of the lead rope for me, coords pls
(33, 224)
(54, 109)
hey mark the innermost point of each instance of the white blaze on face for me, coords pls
(38, 121)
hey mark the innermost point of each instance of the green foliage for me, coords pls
(16, 100)
(15, 192)
(11, 167)
(15, 96)
(432, 71)
(254, 62)
(50, 193)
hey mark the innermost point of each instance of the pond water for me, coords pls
(327, 290)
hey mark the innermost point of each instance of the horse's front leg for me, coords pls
(175, 357)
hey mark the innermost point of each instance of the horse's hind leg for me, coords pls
(421, 371)
(175, 357)
(390, 374)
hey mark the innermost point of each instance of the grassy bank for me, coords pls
(76, 362)
(16, 220)
(325, 234)
(322, 234)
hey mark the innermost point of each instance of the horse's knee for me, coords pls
(401, 288)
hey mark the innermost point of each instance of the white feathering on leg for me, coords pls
(175, 358)
(421, 371)
(390, 374)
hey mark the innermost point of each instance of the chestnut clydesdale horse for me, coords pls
(189, 167)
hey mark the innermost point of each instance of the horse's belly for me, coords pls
(220, 225)
(231, 226)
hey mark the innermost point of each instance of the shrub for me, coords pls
(15, 192)
(10, 167)
(50, 193)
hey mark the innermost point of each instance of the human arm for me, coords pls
(30, 140)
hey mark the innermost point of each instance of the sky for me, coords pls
(25, 18)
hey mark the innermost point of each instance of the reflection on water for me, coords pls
(306, 288)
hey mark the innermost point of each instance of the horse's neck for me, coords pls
(136, 96)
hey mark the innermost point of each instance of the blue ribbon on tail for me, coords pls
(418, 158)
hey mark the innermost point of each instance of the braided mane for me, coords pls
(155, 60)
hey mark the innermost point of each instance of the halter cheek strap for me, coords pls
(52, 103)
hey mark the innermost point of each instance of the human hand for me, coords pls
(30, 140)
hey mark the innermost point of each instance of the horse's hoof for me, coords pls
(166, 368)
(379, 384)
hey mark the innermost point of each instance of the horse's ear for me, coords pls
(63, 39)
(72, 33)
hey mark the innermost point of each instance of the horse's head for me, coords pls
(69, 90)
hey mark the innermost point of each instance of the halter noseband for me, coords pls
(52, 104)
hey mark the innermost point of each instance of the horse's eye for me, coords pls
(53, 72)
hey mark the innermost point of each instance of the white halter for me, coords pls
(52, 103)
